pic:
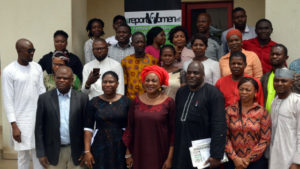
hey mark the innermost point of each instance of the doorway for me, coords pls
(220, 12)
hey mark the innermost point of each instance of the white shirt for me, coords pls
(111, 40)
(285, 141)
(21, 87)
(64, 114)
(211, 70)
(88, 51)
(105, 65)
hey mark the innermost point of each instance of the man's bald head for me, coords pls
(195, 75)
(21, 43)
(66, 70)
(25, 51)
(203, 23)
(198, 65)
(64, 79)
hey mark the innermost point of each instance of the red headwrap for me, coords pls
(234, 32)
(159, 71)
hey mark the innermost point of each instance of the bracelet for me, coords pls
(86, 152)
(127, 155)
(87, 86)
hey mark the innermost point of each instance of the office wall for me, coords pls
(286, 26)
(35, 20)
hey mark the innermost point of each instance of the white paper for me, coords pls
(200, 152)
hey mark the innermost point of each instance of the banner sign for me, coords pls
(143, 21)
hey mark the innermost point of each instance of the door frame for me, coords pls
(186, 8)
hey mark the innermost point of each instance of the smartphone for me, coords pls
(96, 71)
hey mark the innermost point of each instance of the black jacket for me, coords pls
(47, 134)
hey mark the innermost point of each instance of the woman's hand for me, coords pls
(129, 162)
(88, 160)
(238, 163)
(167, 164)
(246, 162)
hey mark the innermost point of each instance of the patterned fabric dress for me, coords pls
(133, 67)
(248, 134)
(107, 148)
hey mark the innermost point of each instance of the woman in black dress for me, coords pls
(109, 112)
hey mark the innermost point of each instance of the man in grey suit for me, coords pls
(59, 124)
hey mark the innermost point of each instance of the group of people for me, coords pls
(139, 103)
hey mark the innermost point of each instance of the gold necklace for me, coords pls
(149, 98)
(109, 100)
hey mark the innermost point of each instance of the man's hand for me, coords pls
(295, 166)
(44, 162)
(16, 132)
(92, 79)
(214, 163)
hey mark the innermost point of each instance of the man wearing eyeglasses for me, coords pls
(92, 71)
(22, 83)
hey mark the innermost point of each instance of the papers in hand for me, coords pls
(200, 152)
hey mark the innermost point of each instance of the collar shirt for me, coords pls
(105, 65)
(263, 52)
(117, 53)
(249, 33)
(64, 113)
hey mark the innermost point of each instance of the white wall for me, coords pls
(285, 19)
(35, 20)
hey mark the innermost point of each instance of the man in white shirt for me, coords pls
(22, 83)
(239, 19)
(285, 115)
(117, 21)
(92, 80)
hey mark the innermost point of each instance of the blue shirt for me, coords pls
(64, 110)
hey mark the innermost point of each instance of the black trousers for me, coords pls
(262, 163)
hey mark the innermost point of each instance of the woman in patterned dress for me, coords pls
(248, 129)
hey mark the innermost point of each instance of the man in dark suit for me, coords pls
(59, 124)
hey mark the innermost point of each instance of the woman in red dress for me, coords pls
(149, 136)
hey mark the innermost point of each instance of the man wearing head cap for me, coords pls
(234, 40)
(285, 115)
(200, 114)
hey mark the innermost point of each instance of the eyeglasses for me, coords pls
(31, 50)
(104, 48)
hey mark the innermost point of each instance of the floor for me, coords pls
(8, 164)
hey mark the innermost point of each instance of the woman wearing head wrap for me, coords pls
(234, 41)
(155, 38)
(149, 136)
(59, 59)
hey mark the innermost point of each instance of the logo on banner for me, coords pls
(153, 18)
